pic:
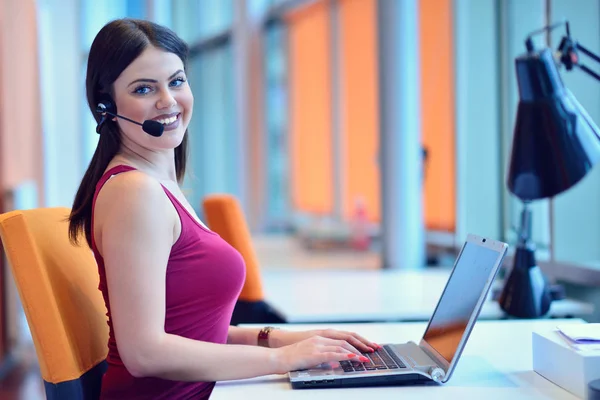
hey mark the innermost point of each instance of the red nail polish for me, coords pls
(364, 359)
(351, 355)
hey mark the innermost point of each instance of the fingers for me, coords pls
(335, 355)
(338, 349)
(341, 343)
(357, 341)
(342, 346)
(343, 350)
(362, 347)
(348, 346)
(319, 350)
(361, 343)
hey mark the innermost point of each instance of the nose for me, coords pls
(166, 100)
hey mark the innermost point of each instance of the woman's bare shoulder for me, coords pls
(130, 187)
(131, 197)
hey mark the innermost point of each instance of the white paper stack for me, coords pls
(582, 337)
(569, 355)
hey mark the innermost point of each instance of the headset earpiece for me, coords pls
(105, 105)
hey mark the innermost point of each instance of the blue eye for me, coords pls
(177, 82)
(142, 90)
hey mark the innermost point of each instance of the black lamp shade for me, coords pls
(555, 142)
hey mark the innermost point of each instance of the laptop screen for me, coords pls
(452, 315)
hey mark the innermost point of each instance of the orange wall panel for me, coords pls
(311, 127)
(437, 112)
(360, 106)
(310, 109)
(20, 120)
(20, 129)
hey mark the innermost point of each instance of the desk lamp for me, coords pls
(555, 144)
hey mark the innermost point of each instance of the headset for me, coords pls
(106, 108)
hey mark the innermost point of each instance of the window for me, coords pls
(276, 117)
(94, 15)
(213, 164)
(576, 213)
(566, 229)
(197, 20)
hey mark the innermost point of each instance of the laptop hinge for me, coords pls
(436, 370)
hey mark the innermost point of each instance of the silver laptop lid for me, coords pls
(452, 321)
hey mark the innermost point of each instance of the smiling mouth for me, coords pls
(168, 121)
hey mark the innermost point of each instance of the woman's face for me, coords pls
(154, 87)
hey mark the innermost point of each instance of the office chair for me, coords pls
(58, 286)
(224, 216)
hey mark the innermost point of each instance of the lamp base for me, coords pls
(526, 293)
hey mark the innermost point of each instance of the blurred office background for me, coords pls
(296, 102)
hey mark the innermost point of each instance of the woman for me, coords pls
(169, 283)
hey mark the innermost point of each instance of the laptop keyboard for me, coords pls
(380, 359)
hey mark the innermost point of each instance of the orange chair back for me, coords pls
(224, 216)
(58, 286)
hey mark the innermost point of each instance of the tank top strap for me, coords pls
(109, 174)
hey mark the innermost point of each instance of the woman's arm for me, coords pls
(247, 336)
(135, 227)
(280, 337)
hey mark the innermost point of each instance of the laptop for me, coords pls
(438, 351)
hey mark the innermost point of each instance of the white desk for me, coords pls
(321, 296)
(496, 364)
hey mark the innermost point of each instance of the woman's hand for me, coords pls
(314, 351)
(280, 338)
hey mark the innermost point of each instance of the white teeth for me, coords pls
(168, 120)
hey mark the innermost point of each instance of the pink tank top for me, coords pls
(204, 278)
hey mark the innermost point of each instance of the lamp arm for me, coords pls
(567, 49)
(592, 56)
(529, 39)
(587, 52)
(589, 71)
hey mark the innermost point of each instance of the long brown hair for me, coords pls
(116, 46)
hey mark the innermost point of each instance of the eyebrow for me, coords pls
(154, 80)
